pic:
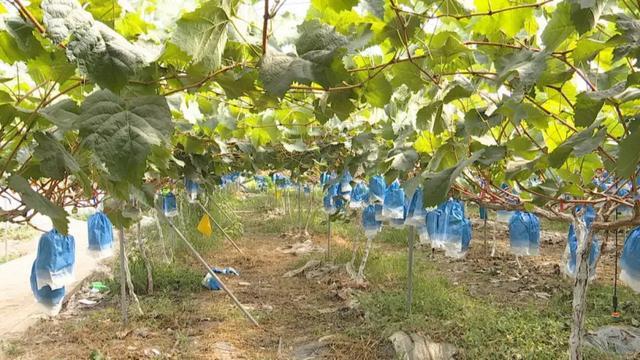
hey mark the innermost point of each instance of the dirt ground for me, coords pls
(299, 317)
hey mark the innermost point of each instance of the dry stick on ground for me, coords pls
(145, 258)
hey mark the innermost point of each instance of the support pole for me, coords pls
(410, 269)
(123, 280)
(220, 228)
(486, 248)
(329, 237)
(299, 210)
(584, 237)
(213, 274)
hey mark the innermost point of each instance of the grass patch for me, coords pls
(485, 330)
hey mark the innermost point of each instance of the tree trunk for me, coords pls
(584, 237)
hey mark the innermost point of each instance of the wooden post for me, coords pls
(584, 237)
(213, 274)
(410, 269)
(123, 279)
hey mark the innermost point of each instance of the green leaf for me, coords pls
(378, 91)
(203, 33)
(457, 90)
(526, 64)
(132, 25)
(63, 114)
(122, 132)
(405, 73)
(22, 32)
(336, 5)
(492, 154)
(629, 152)
(105, 11)
(579, 144)
(559, 28)
(103, 54)
(430, 118)
(585, 14)
(55, 160)
(39, 203)
(317, 36)
(9, 50)
(278, 71)
(236, 84)
(587, 108)
(437, 185)
(404, 159)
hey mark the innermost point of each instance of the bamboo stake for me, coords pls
(123, 281)
(410, 269)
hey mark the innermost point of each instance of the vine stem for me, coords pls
(265, 27)
(30, 16)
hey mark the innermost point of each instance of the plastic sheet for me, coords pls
(393, 205)
(630, 260)
(416, 215)
(100, 235)
(524, 234)
(377, 188)
(369, 222)
(55, 260)
(572, 247)
(359, 196)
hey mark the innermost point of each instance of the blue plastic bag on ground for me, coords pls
(369, 222)
(630, 260)
(51, 299)
(359, 196)
(524, 234)
(100, 235)
(211, 283)
(55, 260)
(393, 205)
(455, 229)
(572, 247)
(377, 188)
(416, 213)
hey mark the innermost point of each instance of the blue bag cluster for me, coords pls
(169, 204)
(448, 228)
(192, 188)
(345, 186)
(261, 182)
(281, 181)
(416, 215)
(572, 246)
(393, 207)
(369, 222)
(524, 234)
(377, 188)
(359, 196)
(331, 199)
(100, 235)
(630, 260)
(53, 268)
(229, 179)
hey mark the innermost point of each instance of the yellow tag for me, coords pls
(204, 226)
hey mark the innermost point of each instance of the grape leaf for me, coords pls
(39, 203)
(123, 131)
